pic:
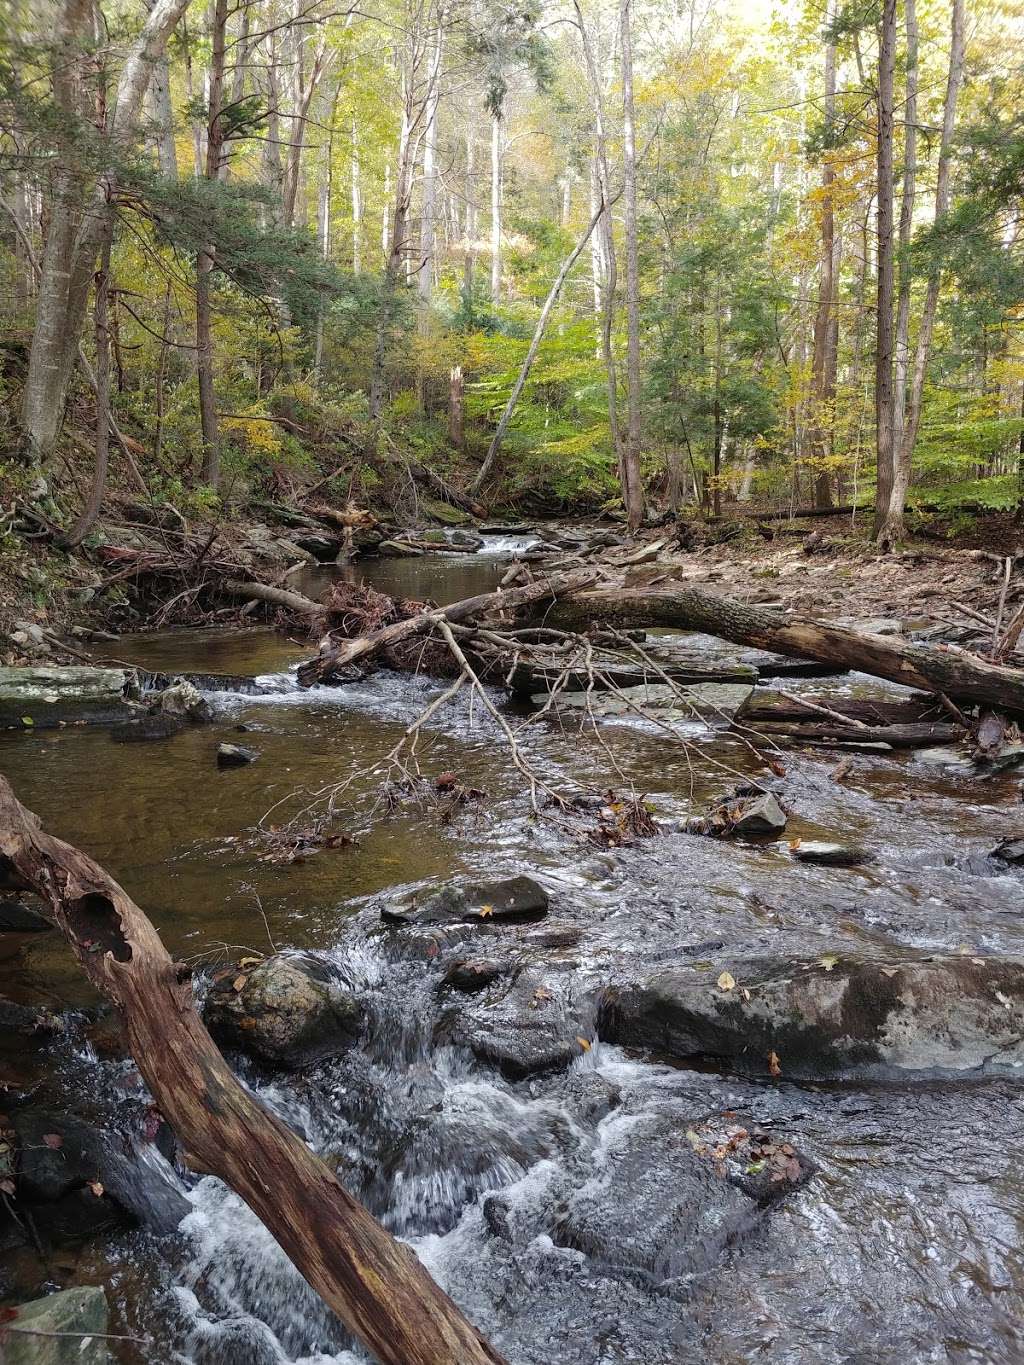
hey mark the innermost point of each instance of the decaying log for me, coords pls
(868, 710)
(335, 657)
(910, 736)
(274, 597)
(937, 669)
(376, 1285)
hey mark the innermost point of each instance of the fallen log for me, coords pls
(274, 597)
(938, 669)
(376, 1285)
(911, 736)
(335, 657)
(528, 679)
(869, 711)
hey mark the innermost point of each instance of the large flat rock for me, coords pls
(38, 697)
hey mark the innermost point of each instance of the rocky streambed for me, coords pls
(683, 1096)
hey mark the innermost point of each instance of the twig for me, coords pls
(1007, 571)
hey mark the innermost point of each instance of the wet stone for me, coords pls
(69, 1327)
(830, 1016)
(517, 898)
(1010, 851)
(829, 855)
(536, 1026)
(288, 1010)
(18, 918)
(763, 815)
(235, 755)
(474, 973)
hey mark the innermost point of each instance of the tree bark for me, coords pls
(893, 528)
(905, 232)
(207, 256)
(425, 271)
(87, 520)
(823, 379)
(495, 208)
(632, 488)
(457, 408)
(376, 1285)
(962, 676)
(78, 223)
(884, 332)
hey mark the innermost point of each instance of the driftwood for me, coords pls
(274, 597)
(334, 657)
(909, 736)
(866, 710)
(376, 1285)
(938, 669)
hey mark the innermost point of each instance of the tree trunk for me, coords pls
(77, 227)
(456, 408)
(91, 510)
(531, 355)
(495, 208)
(162, 116)
(376, 1285)
(604, 264)
(884, 333)
(632, 488)
(893, 529)
(207, 256)
(425, 269)
(905, 232)
(823, 381)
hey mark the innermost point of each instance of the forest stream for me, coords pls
(550, 1185)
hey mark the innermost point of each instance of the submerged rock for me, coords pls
(829, 855)
(38, 697)
(474, 973)
(516, 898)
(18, 918)
(145, 728)
(537, 1025)
(184, 700)
(69, 1327)
(235, 755)
(829, 1016)
(708, 701)
(287, 1010)
(398, 549)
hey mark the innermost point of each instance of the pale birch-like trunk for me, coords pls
(893, 527)
(823, 378)
(425, 270)
(906, 227)
(207, 255)
(633, 493)
(357, 205)
(884, 295)
(495, 208)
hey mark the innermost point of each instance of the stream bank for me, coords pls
(568, 1196)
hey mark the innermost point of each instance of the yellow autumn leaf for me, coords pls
(727, 981)
(486, 911)
(584, 1043)
(827, 962)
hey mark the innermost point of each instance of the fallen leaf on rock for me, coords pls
(727, 981)
(53, 1141)
(486, 911)
(827, 962)
(7, 1186)
(96, 1188)
(889, 971)
(774, 1065)
(584, 1044)
(842, 770)
(249, 961)
(239, 982)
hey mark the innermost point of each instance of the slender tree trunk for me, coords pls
(425, 271)
(597, 265)
(603, 259)
(495, 208)
(822, 374)
(79, 221)
(632, 490)
(906, 228)
(469, 261)
(531, 355)
(893, 527)
(357, 205)
(207, 256)
(91, 510)
(158, 100)
(884, 334)
(457, 408)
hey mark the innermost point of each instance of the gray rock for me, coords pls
(535, 1027)
(829, 855)
(763, 815)
(18, 918)
(288, 1011)
(1010, 851)
(712, 701)
(146, 727)
(184, 700)
(235, 755)
(830, 1016)
(474, 973)
(74, 1312)
(516, 898)
(38, 697)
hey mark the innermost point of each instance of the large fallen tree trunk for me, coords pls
(933, 668)
(376, 1285)
(333, 657)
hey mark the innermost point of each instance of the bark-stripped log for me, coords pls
(376, 1285)
(933, 668)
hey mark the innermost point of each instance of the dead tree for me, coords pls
(376, 1285)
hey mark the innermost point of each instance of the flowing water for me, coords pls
(558, 1209)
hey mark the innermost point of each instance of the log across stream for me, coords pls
(559, 1205)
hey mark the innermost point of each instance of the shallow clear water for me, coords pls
(906, 1246)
